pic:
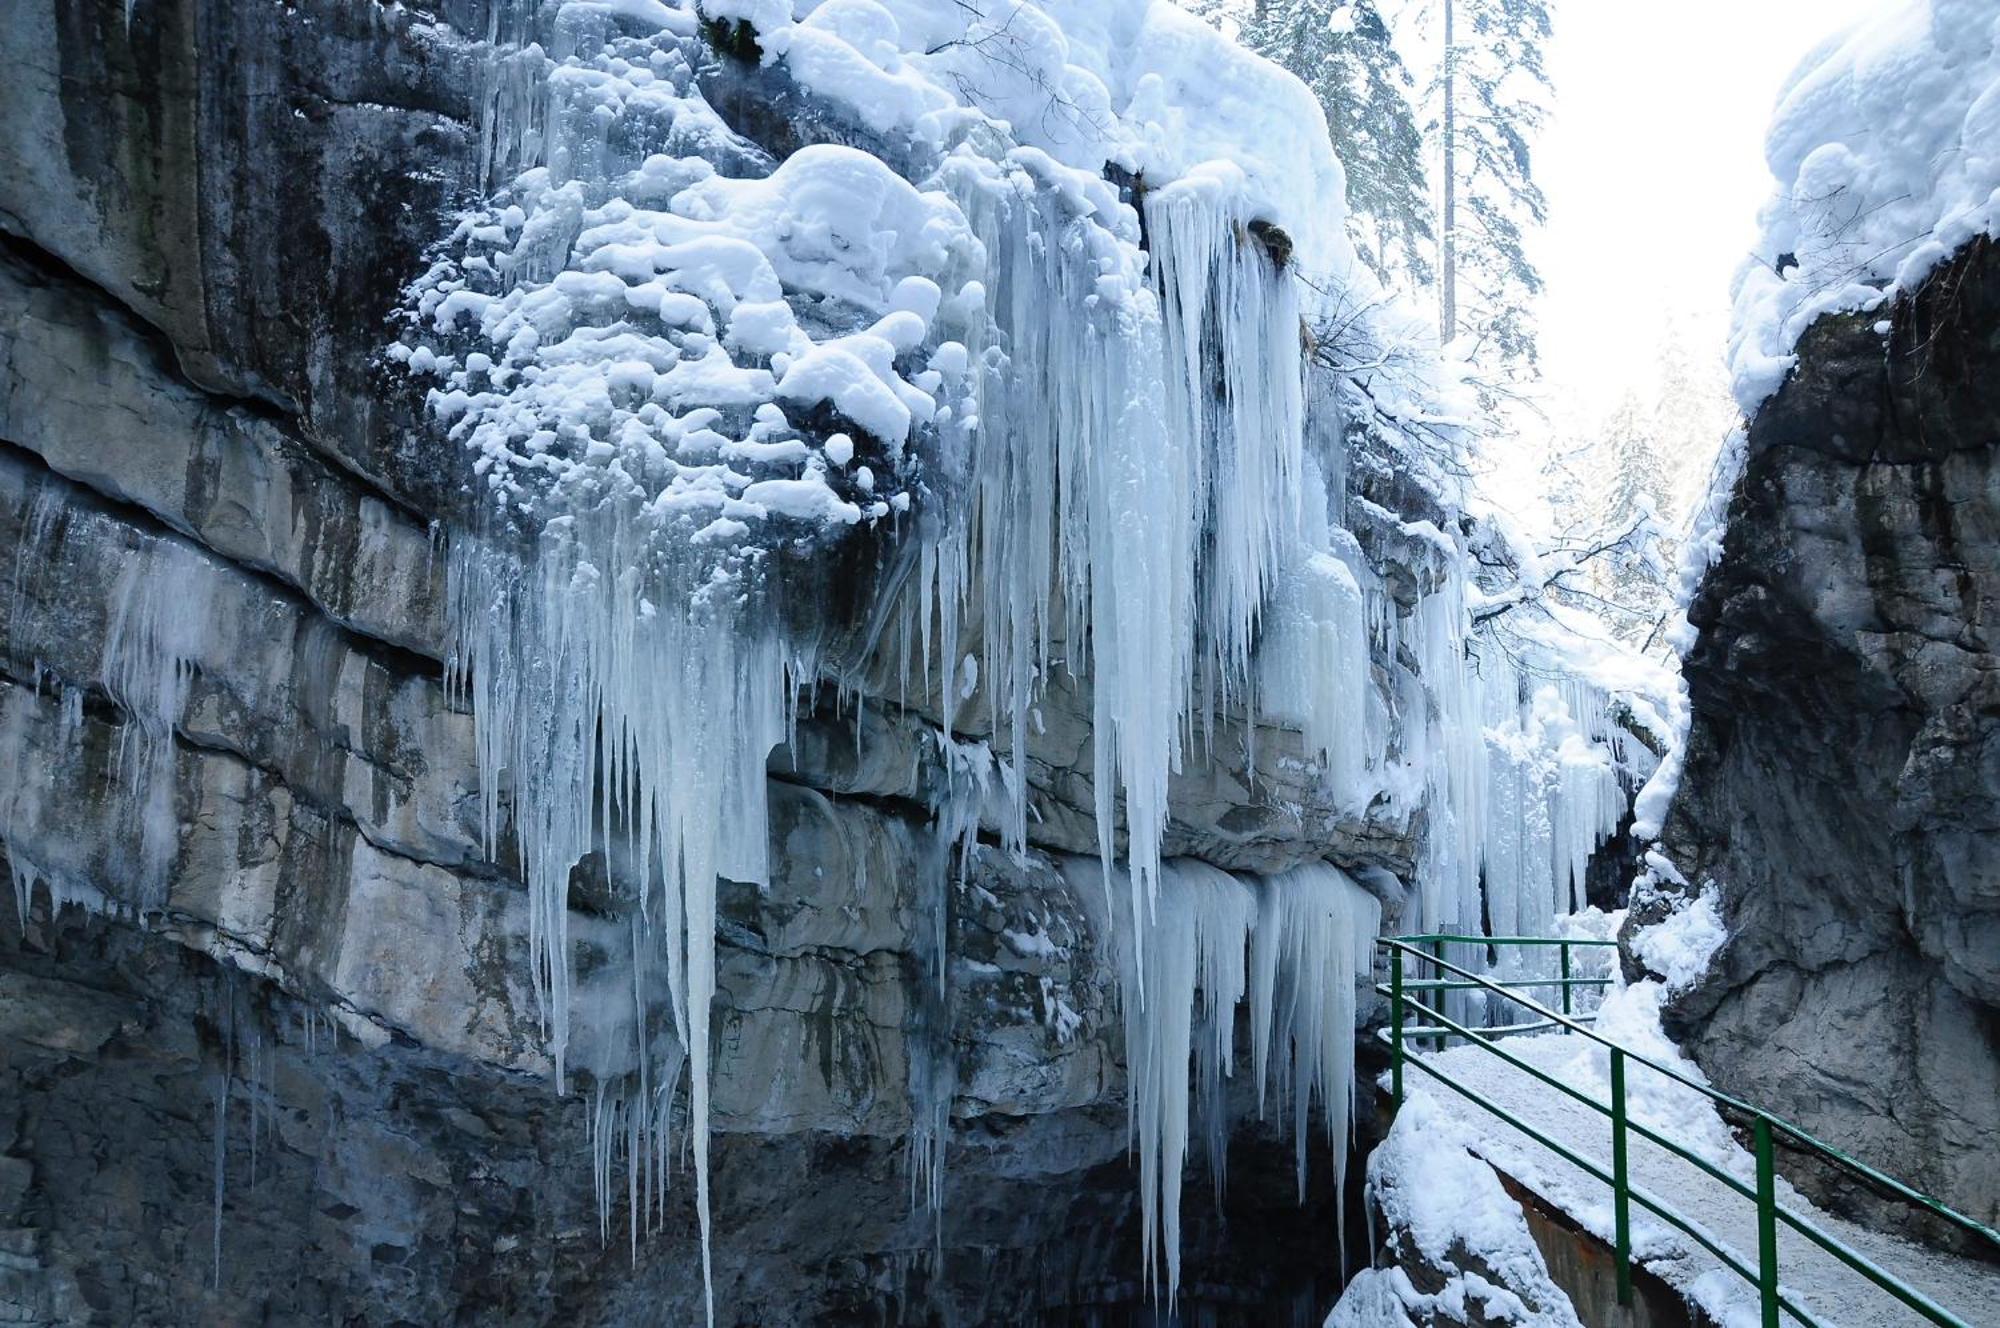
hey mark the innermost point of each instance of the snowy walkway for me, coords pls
(1814, 1279)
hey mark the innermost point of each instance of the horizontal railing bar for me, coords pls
(1859, 1167)
(1511, 984)
(1604, 1177)
(1497, 940)
(1410, 1033)
(1383, 988)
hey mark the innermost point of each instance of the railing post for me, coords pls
(1565, 978)
(1767, 1222)
(1396, 1023)
(1621, 1192)
(1437, 995)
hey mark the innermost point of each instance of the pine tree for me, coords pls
(1487, 102)
(1692, 411)
(1344, 51)
(1637, 475)
(1616, 521)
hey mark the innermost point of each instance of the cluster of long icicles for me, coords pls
(1136, 500)
(1291, 947)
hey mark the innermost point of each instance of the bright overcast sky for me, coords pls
(1653, 165)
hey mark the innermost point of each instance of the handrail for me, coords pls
(1519, 984)
(1860, 1263)
(1778, 1122)
(1497, 941)
(1596, 1172)
(1429, 949)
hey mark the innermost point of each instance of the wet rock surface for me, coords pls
(1843, 771)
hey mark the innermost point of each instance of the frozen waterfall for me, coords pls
(1290, 947)
(1078, 399)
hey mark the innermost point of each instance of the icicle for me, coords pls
(1078, 490)
(1522, 787)
(1295, 947)
(1236, 389)
(932, 1069)
(1448, 719)
(158, 621)
(254, 1083)
(37, 550)
(515, 107)
(1141, 456)
(1313, 661)
(1314, 940)
(24, 876)
(227, 1023)
(1179, 1038)
(578, 678)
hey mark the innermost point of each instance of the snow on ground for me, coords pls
(1680, 946)
(1428, 1184)
(1831, 1291)
(1886, 149)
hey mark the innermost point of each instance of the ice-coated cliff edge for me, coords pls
(672, 555)
(1837, 783)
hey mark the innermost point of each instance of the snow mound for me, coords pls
(1135, 84)
(625, 323)
(1886, 150)
(1680, 946)
(1433, 1190)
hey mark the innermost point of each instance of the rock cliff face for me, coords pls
(1842, 775)
(314, 1087)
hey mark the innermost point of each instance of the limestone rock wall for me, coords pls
(1843, 772)
(207, 211)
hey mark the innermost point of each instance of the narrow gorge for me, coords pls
(765, 662)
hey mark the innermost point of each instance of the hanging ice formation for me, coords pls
(675, 362)
(640, 342)
(613, 343)
(1179, 1043)
(1525, 767)
(1313, 668)
(1124, 492)
(157, 623)
(1293, 946)
(966, 770)
(157, 618)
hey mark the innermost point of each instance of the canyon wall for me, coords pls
(1843, 768)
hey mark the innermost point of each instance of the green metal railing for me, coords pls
(1408, 996)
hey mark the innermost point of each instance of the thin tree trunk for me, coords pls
(1448, 229)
